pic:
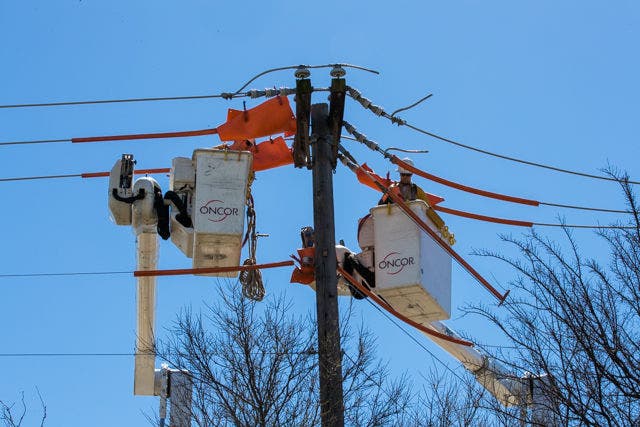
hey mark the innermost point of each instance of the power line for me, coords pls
(223, 95)
(515, 159)
(520, 223)
(356, 168)
(586, 208)
(86, 175)
(27, 178)
(309, 352)
(146, 273)
(421, 345)
(379, 111)
(112, 101)
(128, 137)
(66, 354)
(439, 208)
(412, 105)
(617, 227)
(35, 141)
(302, 67)
(372, 145)
(81, 273)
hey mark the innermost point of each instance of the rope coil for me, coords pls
(251, 280)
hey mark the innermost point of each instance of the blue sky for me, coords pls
(550, 82)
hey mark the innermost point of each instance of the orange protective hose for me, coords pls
(400, 316)
(466, 188)
(146, 136)
(483, 217)
(179, 272)
(136, 172)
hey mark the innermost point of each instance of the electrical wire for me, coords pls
(208, 270)
(407, 151)
(381, 302)
(519, 223)
(65, 354)
(497, 220)
(354, 166)
(179, 134)
(375, 147)
(586, 208)
(617, 227)
(147, 273)
(379, 111)
(27, 178)
(515, 159)
(276, 353)
(493, 195)
(76, 273)
(438, 208)
(414, 339)
(295, 67)
(223, 95)
(86, 175)
(174, 134)
(113, 101)
(109, 138)
(36, 141)
(412, 105)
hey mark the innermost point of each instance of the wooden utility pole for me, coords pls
(329, 350)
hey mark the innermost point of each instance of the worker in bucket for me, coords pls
(405, 188)
(410, 191)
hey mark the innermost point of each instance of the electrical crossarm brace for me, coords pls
(336, 114)
(301, 142)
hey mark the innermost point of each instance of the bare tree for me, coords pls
(577, 321)
(571, 319)
(256, 365)
(13, 416)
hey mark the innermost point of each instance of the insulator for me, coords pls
(302, 72)
(337, 71)
(270, 92)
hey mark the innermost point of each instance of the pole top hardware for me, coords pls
(337, 71)
(302, 72)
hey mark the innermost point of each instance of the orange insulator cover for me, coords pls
(271, 154)
(363, 173)
(305, 274)
(272, 117)
(267, 154)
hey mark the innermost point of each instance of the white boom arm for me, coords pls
(144, 222)
(135, 204)
(526, 391)
(489, 373)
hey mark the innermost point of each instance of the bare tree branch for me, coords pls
(578, 322)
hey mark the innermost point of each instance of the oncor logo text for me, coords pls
(394, 263)
(216, 211)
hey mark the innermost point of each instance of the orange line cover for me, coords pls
(184, 271)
